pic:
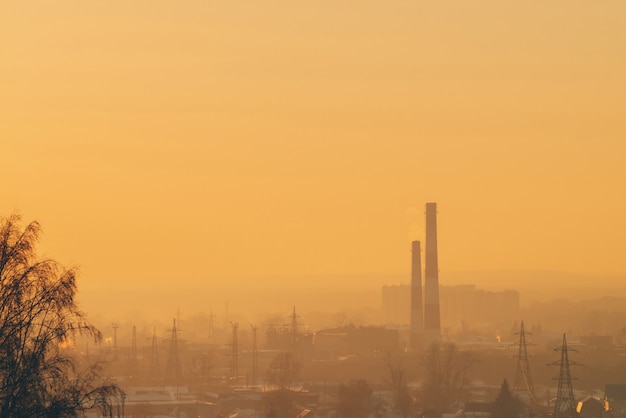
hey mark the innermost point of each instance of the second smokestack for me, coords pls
(417, 316)
(432, 323)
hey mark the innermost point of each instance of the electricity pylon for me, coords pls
(523, 378)
(133, 354)
(565, 404)
(173, 370)
(154, 357)
(254, 354)
(234, 352)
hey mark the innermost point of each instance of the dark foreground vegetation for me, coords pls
(38, 318)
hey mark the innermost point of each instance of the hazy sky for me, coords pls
(199, 140)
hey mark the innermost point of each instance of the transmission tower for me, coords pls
(211, 327)
(115, 326)
(173, 370)
(234, 352)
(523, 378)
(564, 405)
(294, 332)
(254, 354)
(133, 353)
(294, 323)
(154, 358)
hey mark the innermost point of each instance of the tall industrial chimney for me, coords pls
(432, 324)
(417, 306)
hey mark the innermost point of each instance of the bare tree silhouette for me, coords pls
(354, 400)
(283, 370)
(38, 314)
(445, 369)
(398, 381)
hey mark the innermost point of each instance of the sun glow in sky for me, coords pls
(202, 140)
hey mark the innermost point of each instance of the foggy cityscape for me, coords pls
(426, 350)
(313, 209)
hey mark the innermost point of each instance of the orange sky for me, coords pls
(199, 140)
